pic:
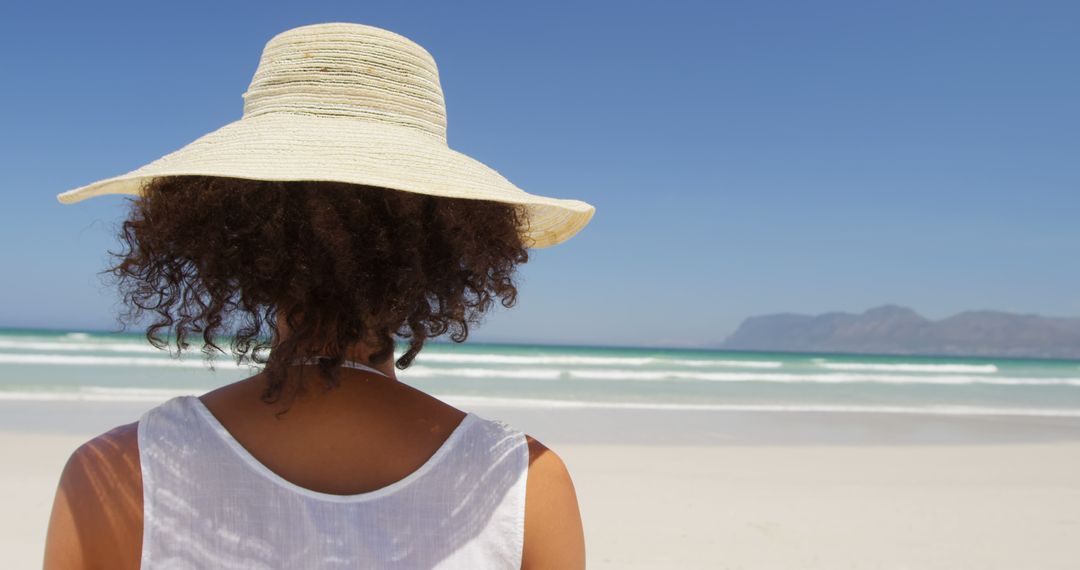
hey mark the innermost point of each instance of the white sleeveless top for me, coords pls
(208, 503)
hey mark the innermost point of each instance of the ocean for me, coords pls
(60, 365)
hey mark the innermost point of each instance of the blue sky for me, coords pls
(744, 157)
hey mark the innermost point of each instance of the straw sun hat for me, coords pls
(349, 103)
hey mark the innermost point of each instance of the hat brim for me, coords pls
(291, 146)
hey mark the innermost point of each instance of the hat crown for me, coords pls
(349, 70)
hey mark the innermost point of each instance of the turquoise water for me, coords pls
(59, 365)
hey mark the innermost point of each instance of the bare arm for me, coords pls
(554, 537)
(96, 519)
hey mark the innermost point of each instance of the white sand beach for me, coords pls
(766, 491)
(865, 507)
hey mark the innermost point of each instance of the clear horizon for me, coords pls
(745, 160)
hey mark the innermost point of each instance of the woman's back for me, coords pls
(462, 508)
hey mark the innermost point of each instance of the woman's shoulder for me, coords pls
(97, 511)
(554, 536)
(104, 466)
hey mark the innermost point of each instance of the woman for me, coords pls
(327, 221)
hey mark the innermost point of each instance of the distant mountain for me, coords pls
(892, 329)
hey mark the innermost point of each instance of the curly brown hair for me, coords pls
(342, 263)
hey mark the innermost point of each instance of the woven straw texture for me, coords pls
(350, 103)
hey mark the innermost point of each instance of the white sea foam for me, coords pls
(97, 394)
(87, 344)
(18, 344)
(557, 373)
(194, 361)
(731, 363)
(480, 358)
(612, 374)
(418, 371)
(151, 395)
(903, 367)
(468, 401)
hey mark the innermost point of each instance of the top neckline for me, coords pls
(249, 459)
(344, 363)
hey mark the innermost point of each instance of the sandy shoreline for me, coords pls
(766, 491)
